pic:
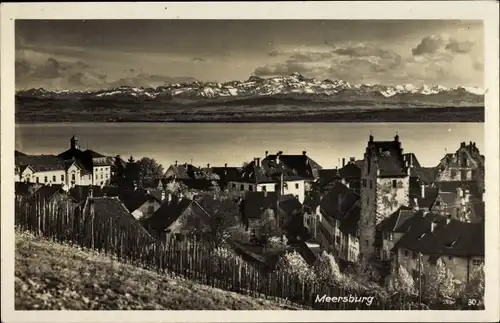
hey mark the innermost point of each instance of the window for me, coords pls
(54, 178)
(250, 188)
(37, 179)
(73, 177)
(406, 253)
(477, 262)
(371, 184)
(297, 186)
(337, 240)
(377, 253)
(264, 188)
(234, 186)
(151, 209)
(394, 183)
(107, 175)
(62, 178)
(101, 176)
(450, 258)
(45, 179)
(364, 182)
(242, 187)
(366, 243)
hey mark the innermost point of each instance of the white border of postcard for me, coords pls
(478, 10)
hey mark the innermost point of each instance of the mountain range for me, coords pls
(275, 90)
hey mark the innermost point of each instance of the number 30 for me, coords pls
(472, 302)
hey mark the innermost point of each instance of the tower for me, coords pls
(74, 143)
(385, 181)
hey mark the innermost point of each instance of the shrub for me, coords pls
(440, 283)
(401, 281)
(327, 269)
(474, 289)
(293, 264)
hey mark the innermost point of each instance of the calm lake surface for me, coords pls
(235, 143)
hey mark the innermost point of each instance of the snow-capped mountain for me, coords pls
(293, 85)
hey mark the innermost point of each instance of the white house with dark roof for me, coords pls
(428, 237)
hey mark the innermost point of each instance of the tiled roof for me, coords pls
(395, 221)
(253, 173)
(93, 154)
(338, 202)
(81, 192)
(184, 171)
(451, 239)
(112, 208)
(293, 166)
(427, 174)
(40, 163)
(327, 175)
(46, 192)
(197, 184)
(349, 225)
(226, 174)
(389, 157)
(350, 171)
(133, 199)
(167, 214)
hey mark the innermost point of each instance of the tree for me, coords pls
(439, 284)
(149, 170)
(177, 188)
(474, 289)
(268, 227)
(327, 269)
(401, 281)
(294, 265)
(118, 177)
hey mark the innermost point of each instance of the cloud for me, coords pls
(86, 79)
(460, 47)
(428, 45)
(198, 59)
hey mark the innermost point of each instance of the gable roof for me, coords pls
(453, 238)
(289, 204)
(47, 192)
(395, 222)
(292, 166)
(167, 214)
(183, 171)
(226, 174)
(253, 173)
(338, 202)
(107, 208)
(427, 174)
(389, 158)
(298, 165)
(133, 199)
(350, 170)
(93, 154)
(40, 163)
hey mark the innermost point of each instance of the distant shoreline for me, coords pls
(428, 115)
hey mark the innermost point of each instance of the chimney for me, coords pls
(352, 159)
(422, 190)
(257, 161)
(225, 165)
(467, 196)
(162, 196)
(208, 165)
(343, 162)
(396, 138)
(267, 153)
(176, 163)
(371, 139)
(278, 158)
(304, 152)
(433, 226)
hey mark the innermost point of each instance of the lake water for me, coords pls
(235, 143)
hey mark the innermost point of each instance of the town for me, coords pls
(404, 222)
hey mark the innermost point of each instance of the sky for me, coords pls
(92, 54)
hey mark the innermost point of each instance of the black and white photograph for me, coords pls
(275, 164)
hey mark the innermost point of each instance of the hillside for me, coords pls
(51, 276)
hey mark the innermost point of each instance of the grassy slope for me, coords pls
(52, 276)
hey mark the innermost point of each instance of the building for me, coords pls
(270, 176)
(385, 180)
(466, 164)
(429, 237)
(88, 167)
(334, 223)
(183, 171)
(224, 175)
(179, 216)
(42, 169)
